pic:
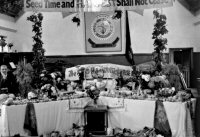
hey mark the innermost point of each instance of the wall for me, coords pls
(180, 24)
(195, 73)
(60, 35)
(7, 28)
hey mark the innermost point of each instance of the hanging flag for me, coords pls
(102, 32)
(139, 11)
(129, 51)
(30, 122)
(65, 14)
(161, 122)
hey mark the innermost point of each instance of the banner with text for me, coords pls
(93, 5)
(93, 71)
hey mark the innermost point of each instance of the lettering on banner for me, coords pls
(140, 2)
(93, 5)
(33, 4)
(108, 72)
(71, 73)
(49, 4)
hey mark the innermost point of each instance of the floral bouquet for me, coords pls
(158, 82)
(49, 90)
(93, 92)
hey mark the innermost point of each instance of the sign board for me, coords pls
(102, 33)
(93, 5)
(93, 71)
(72, 74)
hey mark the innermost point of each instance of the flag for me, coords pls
(66, 14)
(129, 51)
(30, 122)
(139, 11)
(161, 122)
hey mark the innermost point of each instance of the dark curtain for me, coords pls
(129, 51)
(161, 122)
(30, 122)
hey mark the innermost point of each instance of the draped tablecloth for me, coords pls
(122, 113)
(179, 119)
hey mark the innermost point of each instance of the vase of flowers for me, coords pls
(10, 45)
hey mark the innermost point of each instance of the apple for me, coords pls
(92, 88)
(9, 101)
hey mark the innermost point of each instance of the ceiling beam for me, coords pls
(192, 5)
(8, 29)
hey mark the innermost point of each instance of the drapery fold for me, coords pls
(58, 116)
(161, 122)
(30, 122)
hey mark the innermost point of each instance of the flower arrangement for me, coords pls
(49, 90)
(173, 75)
(158, 82)
(24, 76)
(10, 45)
(140, 85)
(38, 62)
(159, 41)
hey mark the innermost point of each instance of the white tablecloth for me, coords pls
(136, 115)
(122, 113)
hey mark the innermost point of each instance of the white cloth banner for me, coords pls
(91, 71)
(79, 103)
(111, 102)
(71, 73)
(93, 5)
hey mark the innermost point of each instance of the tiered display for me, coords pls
(94, 80)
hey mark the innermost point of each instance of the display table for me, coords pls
(122, 113)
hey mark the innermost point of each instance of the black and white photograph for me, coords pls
(99, 68)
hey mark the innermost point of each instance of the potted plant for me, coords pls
(10, 45)
(24, 75)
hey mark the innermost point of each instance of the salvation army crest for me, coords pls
(102, 27)
(102, 32)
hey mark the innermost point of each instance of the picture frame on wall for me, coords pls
(102, 32)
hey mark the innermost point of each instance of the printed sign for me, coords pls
(93, 5)
(71, 73)
(102, 33)
(93, 71)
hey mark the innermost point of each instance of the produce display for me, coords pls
(80, 131)
(106, 80)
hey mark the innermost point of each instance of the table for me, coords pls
(122, 113)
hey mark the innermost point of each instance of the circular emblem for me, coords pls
(102, 27)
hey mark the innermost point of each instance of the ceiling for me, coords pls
(192, 5)
(13, 8)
